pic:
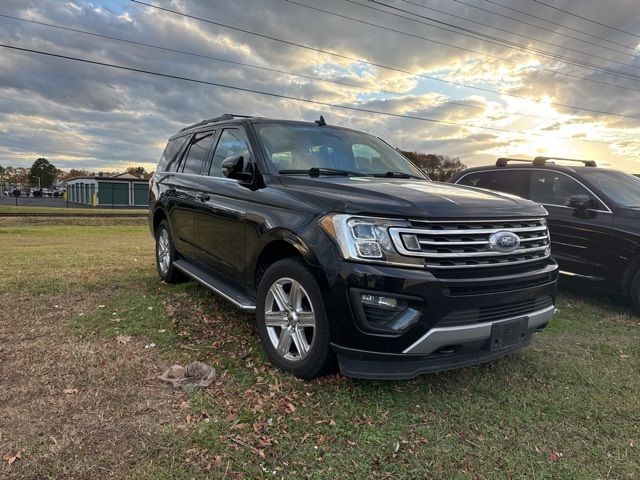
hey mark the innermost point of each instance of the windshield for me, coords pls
(622, 188)
(304, 147)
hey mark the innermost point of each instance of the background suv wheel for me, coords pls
(292, 321)
(166, 254)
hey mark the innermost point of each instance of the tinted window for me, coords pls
(198, 151)
(232, 142)
(508, 181)
(169, 154)
(622, 188)
(301, 147)
(554, 188)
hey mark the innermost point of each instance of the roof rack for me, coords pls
(541, 161)
(226, 116)
(503, 161)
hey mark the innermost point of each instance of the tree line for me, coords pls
(439, 167)
(45, 174)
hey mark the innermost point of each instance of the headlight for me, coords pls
(366, 238)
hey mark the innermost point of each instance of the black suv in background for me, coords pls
(346, 252)
(594, 215)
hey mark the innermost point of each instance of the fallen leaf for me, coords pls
(12, 458)
(332, 423)
(291, 407)
(70, 391)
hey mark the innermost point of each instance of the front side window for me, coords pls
(302, 147)
(232, 143)
(554, 188)
(198, 151)
(507, 181)
(623, 188)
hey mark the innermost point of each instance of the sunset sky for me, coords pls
(86, 116)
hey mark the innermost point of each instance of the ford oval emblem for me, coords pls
(504, 241)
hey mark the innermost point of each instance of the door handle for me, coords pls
(203, 197)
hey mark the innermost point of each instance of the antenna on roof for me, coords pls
(321, 122)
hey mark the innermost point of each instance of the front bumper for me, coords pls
(472, 347)
(455, 321)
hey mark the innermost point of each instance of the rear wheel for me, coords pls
(292, 321)
(166, 254)
(635, 291)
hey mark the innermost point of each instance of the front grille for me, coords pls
(497, 312)
(454, 244)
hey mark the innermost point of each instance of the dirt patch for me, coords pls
(75, 407)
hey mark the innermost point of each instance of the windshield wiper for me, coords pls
(391, 174)
(317, 171)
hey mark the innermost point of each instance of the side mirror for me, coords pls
(232, 167)
(579, 202)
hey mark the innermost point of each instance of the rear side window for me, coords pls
(169, 155)
(198, 152)
(507, 181)
(232, 142)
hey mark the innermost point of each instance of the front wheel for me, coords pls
(292, 321)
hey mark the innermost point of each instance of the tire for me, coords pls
(301, 331)
(166, 254)
(635, 291)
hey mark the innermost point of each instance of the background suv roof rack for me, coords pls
(503, 161)
(226, 116)
(540, 161)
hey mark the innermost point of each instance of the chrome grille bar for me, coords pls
(443, 243)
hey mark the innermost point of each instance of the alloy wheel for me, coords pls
(164, 252)
(290, 319)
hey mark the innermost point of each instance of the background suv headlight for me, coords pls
(366, 238)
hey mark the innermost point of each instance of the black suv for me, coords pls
(347, 253)
(594, 215)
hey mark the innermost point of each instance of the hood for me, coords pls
(407, 197)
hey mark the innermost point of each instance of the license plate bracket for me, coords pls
(508, 334)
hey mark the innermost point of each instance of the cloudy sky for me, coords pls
(520, 80)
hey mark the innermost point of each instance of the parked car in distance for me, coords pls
(594, 215)
(348, 255)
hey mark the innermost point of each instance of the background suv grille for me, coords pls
(452, 244)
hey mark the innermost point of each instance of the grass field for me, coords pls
(79, 404)
(72, 211)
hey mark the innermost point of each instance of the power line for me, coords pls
(541, 19)
(378, 65)
(499, 42)
(249, 65)
(587, 19)
(288, 97)
(626, 75)
(513, 45)
(520, 34)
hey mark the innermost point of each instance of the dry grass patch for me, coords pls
(76, 407)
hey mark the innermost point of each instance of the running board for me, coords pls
(217, 284)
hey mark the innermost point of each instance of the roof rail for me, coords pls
(226, 116)
(503, 161)
(541, 161)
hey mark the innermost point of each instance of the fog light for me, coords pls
(378, 301)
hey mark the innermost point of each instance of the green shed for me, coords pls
(121, 190)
